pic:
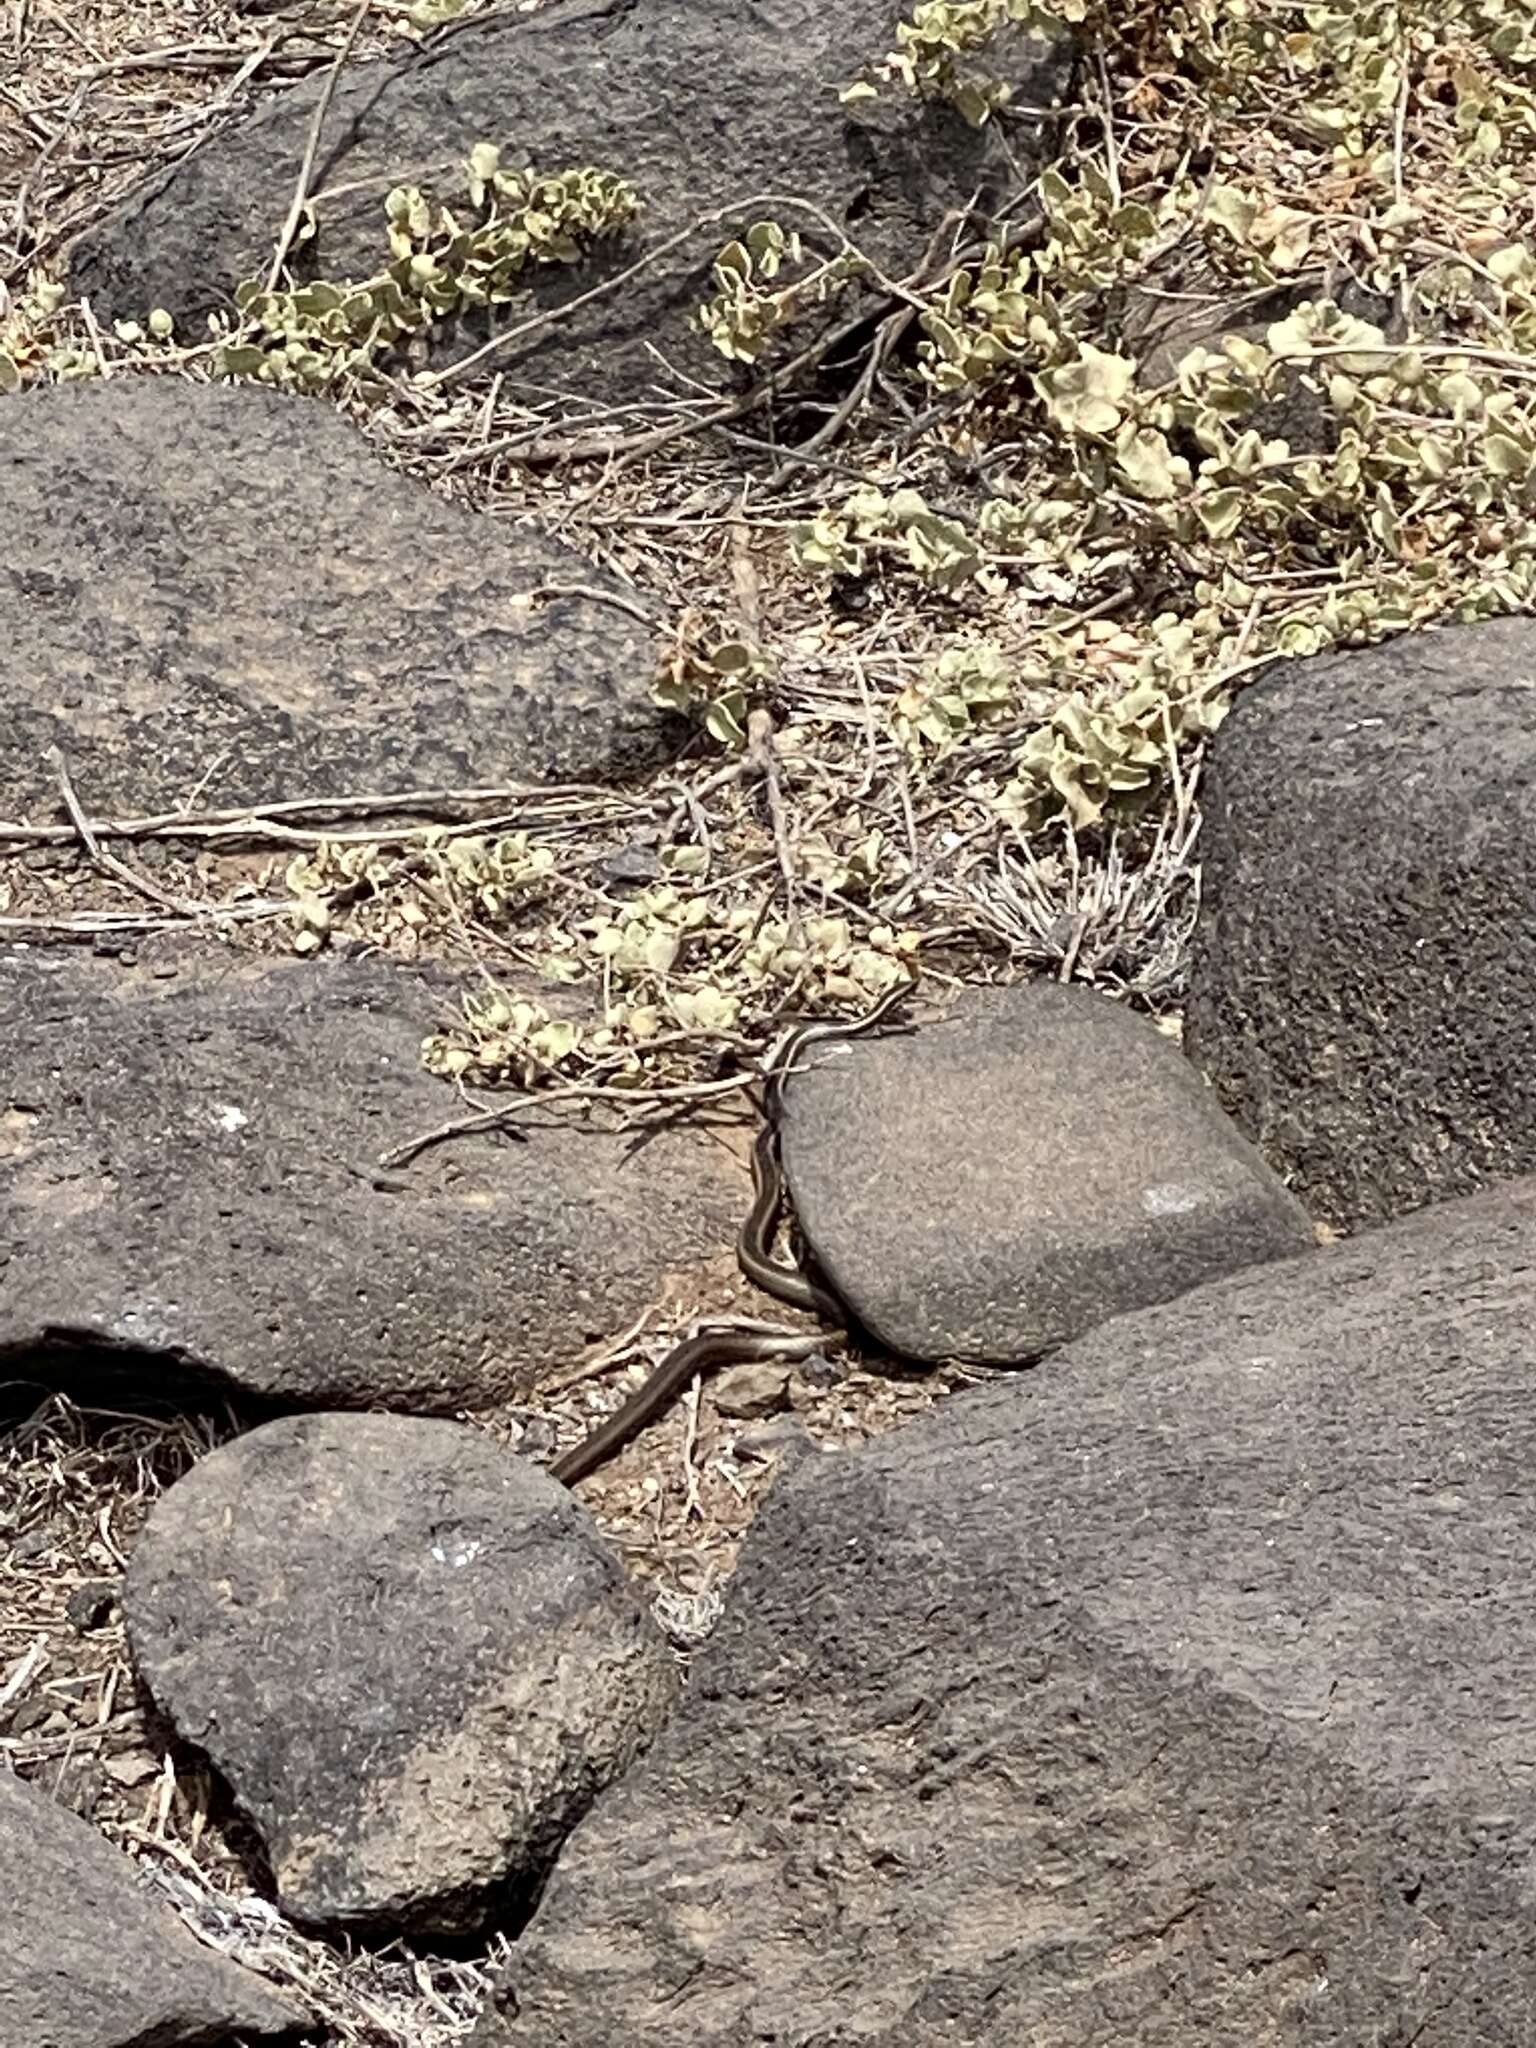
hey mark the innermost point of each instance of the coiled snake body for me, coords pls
(717, 1344)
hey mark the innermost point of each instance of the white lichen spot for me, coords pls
(1171, 1198)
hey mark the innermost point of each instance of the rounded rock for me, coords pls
(407, 1651)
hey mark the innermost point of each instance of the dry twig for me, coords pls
(312, 146)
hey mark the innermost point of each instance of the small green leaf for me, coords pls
(1221, 512)
(723, 721)
(1142, 456)
(1506, 457)
(1233, 209)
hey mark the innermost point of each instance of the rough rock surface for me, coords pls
(405, 1648)
(1362, 975)
(1002, 1180)
(224, 594)
(702, 104)
(90, 1957)
(1177, 1691)
(189, 1179)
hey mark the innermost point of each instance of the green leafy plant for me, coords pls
(1253, 378)
(969, 686)
(30, 345)
(494, 878)
(941, 551)
(935, 42)
(443, 261)
(433, 13)
(749, 306)
(979, 325)
(1106, 756)
(671, 964)
(714, 684)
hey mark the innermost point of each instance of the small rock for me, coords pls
(408, 1652)
(29, 1716)
(129, 1771)
(819, 1372)
(90, 1606)
(635, 864)
(771, 1439)
(991, 1185)
(32, 1544)
(79, 1782)
(92, 1957)
(758, 1386)
(536, 1437)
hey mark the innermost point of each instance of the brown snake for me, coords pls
(734, 1344)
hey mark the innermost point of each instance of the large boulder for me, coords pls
(1177, 1691)
(189, 1183)
(223, 596)
(721, 108)
(1033, 1162)
(91, 1957)
(1360, 991)
(407, 1650)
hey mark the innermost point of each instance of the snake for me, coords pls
(718, 1344)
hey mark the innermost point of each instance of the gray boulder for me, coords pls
(223, 595)
(91, 1957)
(190, 1184)
(1177, 1691)
(999, 1181)
(408, 1652)
(703, 105)
(1360, 990)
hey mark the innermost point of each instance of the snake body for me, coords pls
(716, 1344)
